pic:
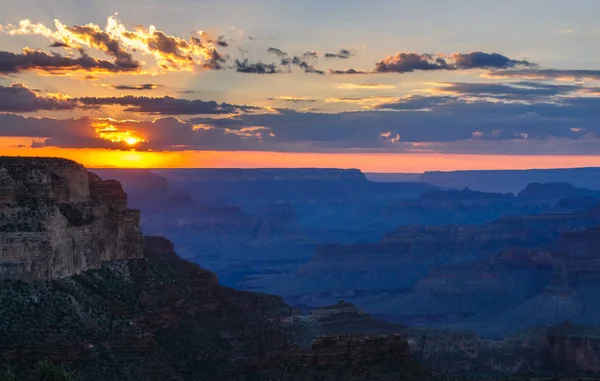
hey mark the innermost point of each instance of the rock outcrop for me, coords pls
(164, 318)
(57, 219)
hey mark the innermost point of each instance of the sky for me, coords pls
(379, 85)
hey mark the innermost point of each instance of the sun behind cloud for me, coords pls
(108, 131)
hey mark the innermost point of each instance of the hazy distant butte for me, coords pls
(57, 219)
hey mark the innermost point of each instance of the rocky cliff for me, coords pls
(80, 286)
(164, 318)
(57, 219)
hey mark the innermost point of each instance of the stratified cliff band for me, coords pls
(57, 219)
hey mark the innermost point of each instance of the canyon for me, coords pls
(484, 285)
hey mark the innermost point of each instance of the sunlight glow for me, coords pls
(108, 131)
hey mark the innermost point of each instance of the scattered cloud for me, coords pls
(162, 134)
(409, 62)
(34, 60)
(343, 54)
(18, 98)
(368, 86)
(245, 66)
(523, 90)
(449, 123)
(174, 53)
(362, 100)
(292, 99)
(166, 105)
(305, 61)
(145, 86)
(556, 74)
(348, 71)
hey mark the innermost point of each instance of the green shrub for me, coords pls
(8, 374)
(48, 371)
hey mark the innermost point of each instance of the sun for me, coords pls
(108, 131)
(132, 140)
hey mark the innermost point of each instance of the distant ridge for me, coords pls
(505, 181)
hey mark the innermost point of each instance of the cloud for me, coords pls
(166, 105)
(442, 123)
(292, 99)
(93, 36)
(245, 66)
(343, 54)
(145, 86)
(524, 91)
(348, 71)
(162, 134)
(480, 60)
(362, 100)
(304, 62)
(367, 86)
(409, 62)
(280, 53)
(18, 98)
(199, 51)
(572, 75)
(56, 63)
(448, 124)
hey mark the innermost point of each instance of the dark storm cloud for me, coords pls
(343, 54)
(166, 105)
(145, 86)
(56, 63)
(18, 98)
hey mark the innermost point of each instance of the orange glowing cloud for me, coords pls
(107, 131)
(170, 52)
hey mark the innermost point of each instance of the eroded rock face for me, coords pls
(56, 220)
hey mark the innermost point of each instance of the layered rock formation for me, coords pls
(56, 220)
(512, 180)
(112, 306)
(455, 276)
(564, 348)
(163, 318)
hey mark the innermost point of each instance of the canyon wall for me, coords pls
(57, 219)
